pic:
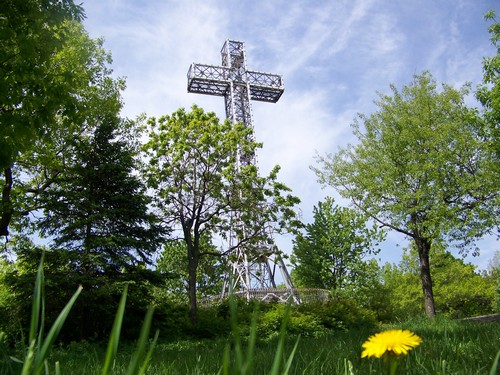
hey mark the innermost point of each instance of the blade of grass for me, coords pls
(47, 343)
(146, 361)
(494, 367)
(36, 308)
(226, 359)
(114, 339)
(140, 349)
(235, 331)
(37, 316)
(290, 358)
(251, 343)
(29, 358)
(281, 343)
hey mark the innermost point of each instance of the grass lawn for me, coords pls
(448, 347)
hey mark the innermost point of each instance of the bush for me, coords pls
(93, 313)
(172, 320)
(341, 312)
(299, 323)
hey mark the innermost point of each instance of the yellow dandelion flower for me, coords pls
(395, 341)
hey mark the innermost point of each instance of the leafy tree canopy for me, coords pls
(36, 84)
(85, 94)
(489, 92)
(421, 167)
(200, 186)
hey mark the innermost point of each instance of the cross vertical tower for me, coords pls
(251, 272)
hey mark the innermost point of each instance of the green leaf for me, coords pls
(114, 338)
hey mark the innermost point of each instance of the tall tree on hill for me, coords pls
(421, 168)
(193, 170)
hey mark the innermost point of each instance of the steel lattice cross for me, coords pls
(235, 83)
(238, 86)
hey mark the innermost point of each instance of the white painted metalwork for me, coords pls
(256, 269)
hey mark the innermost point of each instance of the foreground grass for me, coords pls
(449, 347)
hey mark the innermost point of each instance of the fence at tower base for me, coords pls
(283, 295)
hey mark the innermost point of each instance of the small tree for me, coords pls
(422, 168)
(200, 187)
(331, 253)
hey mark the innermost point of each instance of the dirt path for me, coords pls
(485, 318)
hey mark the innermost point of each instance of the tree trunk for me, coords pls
(6, 210)
(424, 247)
(193, 260)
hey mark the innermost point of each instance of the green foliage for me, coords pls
(172, 319)
(458, 289)
(330, 254)
(450, 346)
(494, 274)
(54, 98)
(303, 323)
(34, 87)
(243, 363)
(36, 356)
(489, 93)
(79, 175)
(433, 158)
(372, 293)
(39, 344)
(193, 169)
(422, 168)
(99, 208)
(101, 294)
(173, 263)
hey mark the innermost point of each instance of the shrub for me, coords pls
(341, 312)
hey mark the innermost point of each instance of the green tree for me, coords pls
(55, 79)
(103, 235)
(32, 90)
(174, 263)
(421, 168)
(489, 93)
(99, 207)
(195, 175)
(460, 291)
(331, 253)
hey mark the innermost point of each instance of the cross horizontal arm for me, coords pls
(265, 87)
(216, 80)
(208, 79)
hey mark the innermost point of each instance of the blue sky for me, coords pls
(333, 55)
